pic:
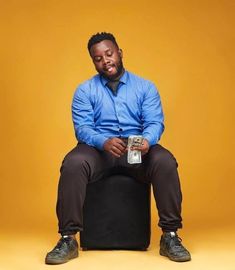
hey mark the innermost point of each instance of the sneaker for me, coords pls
(171, 247)
(66, 249)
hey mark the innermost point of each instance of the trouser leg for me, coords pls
(85, 163)
(161, 169)
(81, 165)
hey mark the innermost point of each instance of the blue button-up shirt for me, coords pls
(99, 114)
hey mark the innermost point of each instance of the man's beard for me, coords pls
(119, 67)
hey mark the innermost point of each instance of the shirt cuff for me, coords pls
(99, 141)
(150, 140)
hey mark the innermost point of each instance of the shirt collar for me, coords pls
(123, 79)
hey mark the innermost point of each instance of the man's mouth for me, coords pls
(109, 68)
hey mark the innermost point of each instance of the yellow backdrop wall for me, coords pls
(185, 47)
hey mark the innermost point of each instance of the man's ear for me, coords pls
(120, 53)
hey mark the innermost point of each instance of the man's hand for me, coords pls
(115, 146)
(144, 148)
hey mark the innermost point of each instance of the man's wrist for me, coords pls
(147, 140)
(99, 142)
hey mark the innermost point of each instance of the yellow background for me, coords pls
(185, 47)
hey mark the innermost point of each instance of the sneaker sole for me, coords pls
(175, 259)
(57, 261)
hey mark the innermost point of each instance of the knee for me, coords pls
(73, 161)
(163, 159)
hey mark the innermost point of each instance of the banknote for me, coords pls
(134, 156)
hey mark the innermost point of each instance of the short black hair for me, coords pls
(100, 37)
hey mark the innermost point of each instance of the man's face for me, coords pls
(107, 59)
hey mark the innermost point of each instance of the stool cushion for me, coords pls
(116, 214)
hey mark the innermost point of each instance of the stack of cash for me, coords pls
(134, 156)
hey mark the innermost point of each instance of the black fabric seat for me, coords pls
(116, 214)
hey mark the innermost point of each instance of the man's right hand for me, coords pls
(115, 146)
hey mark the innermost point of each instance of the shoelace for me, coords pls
(60, 243)
(176, 243)
(177, 240)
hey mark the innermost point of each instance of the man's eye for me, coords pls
(109, 54)
(97, 59)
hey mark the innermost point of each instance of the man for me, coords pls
(107, 109)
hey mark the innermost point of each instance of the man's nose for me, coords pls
(106, 60)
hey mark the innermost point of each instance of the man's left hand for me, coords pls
(144, 148)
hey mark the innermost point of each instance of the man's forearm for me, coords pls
(91, 137)
(152, 133)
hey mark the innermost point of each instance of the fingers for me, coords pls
(118, 147)
(116, 150)
(139, 148)
(144, 148)
(120, 143)
(115, 153)
(115, 146)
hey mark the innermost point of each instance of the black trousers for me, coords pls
(85, 163)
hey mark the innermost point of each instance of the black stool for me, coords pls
(116, 214)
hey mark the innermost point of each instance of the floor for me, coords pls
(210, 249)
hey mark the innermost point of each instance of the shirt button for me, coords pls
(120, 129)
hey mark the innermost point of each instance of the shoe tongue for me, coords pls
(172, 234)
